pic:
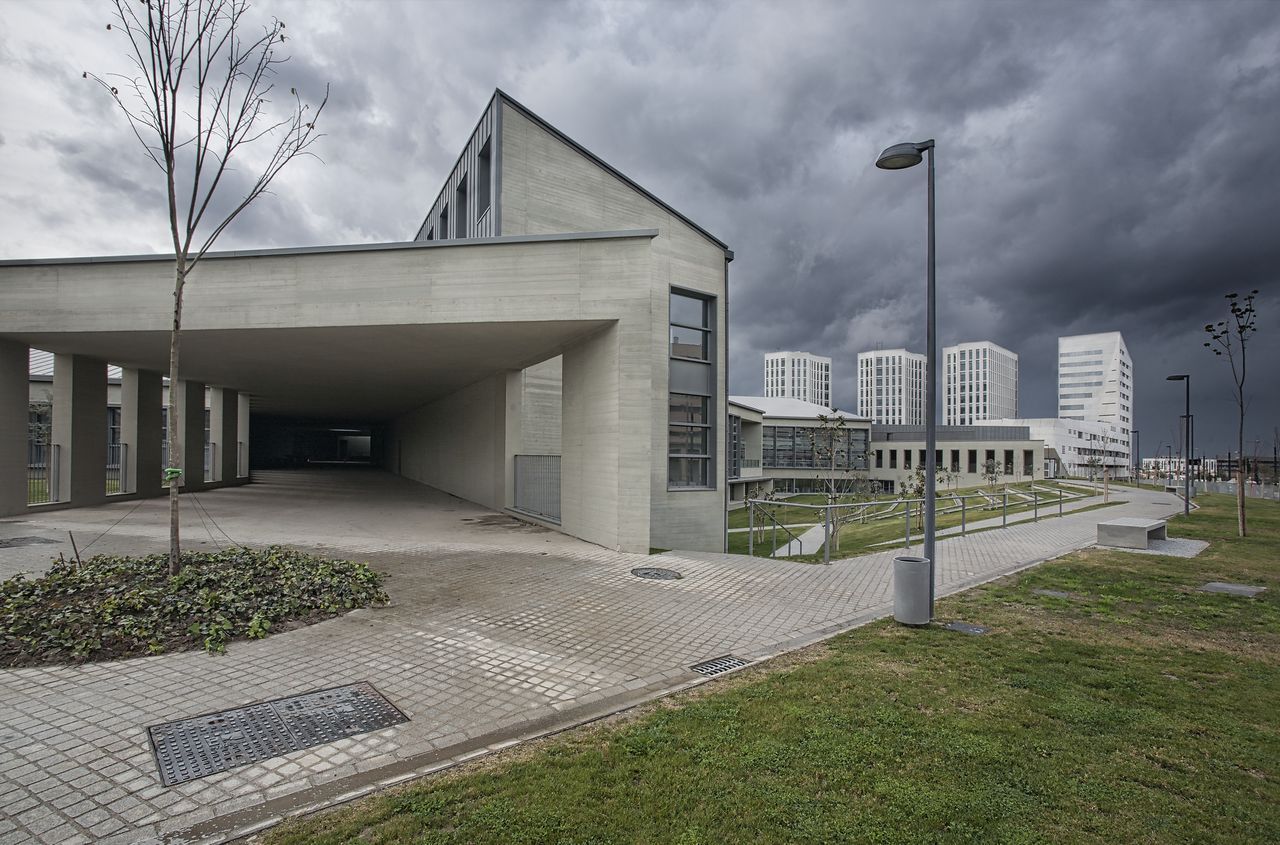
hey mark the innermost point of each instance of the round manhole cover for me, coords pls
(656, 574)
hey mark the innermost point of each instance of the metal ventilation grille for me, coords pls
(718, 665)
(205, 745)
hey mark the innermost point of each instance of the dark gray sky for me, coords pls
(1101, 165)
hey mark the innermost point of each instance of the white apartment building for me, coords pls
(1076, 448)
(797, 375)
(891, 386)
(980, 382)
(1095, 384)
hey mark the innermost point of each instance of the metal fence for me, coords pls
(42, 473)
(117, 468)
(538, 485)
(1251, 490)
(954, 514)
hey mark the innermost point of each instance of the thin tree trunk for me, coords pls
(175, 444)
(1240, 475)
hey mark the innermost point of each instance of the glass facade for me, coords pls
(691, 409)
(794, 447)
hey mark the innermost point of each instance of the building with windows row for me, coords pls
(891, 387)
(1095, 384)
(791, 446)
(979, 382)
(798, 375)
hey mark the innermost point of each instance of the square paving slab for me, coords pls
(1231, 589)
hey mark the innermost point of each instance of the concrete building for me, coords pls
(539, 272)
(1076, 448)
(891, 387)
(964, 451)
(979, 382)
(795, 456)
(1095, 384)
(798, 375)
(744, 455)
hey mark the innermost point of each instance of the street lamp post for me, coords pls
(1136, 455)
(1186, 474)
(899, 157)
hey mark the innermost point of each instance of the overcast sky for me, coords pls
(1100, 165)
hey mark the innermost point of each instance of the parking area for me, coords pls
(497, 630)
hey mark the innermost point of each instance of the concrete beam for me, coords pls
(80, 428)
(142, 430)
(13, 427)
(191, 432)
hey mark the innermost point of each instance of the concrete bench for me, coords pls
(1131, 532)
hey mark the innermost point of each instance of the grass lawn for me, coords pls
(1138, 711)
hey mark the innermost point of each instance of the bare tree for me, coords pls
(1230, 337)
(992, 473)
(200, 92)
(830, 442)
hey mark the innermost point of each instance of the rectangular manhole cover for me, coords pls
(967, 628)
(1231, 589)
(15, 542)
(218, 742)
(1055, 594)
(718, 665)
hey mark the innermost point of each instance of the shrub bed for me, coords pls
(114, 607)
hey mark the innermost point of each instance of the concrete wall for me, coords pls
(540, 408)
(457, 444)
(13, 427)
(549, 186)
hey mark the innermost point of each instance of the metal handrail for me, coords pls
(752, 506)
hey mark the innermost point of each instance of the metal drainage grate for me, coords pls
(718, 665)
(1055, 594)
(217, 742)
(656, 574)
(15, 542)
(1231, 589)
(967, 628)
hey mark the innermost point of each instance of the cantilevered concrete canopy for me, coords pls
(357, 373)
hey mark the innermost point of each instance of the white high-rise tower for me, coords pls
(1095, 383)
(980, 382)
(891, 386)
(798, 375)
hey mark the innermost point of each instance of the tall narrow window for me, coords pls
(484, 179)
(692, 381)
(444, 222)
(460, 210)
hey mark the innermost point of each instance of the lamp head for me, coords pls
(901, 156)
(1182, 377)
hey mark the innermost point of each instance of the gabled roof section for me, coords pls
(636, 186)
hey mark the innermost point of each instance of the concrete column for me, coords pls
(142, 430)
(80, 428)
(13, 427)
(242, 411)
(512, 436)
(224, 432)
(191, 421)
(604, 466)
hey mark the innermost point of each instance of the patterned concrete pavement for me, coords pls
(498, 631)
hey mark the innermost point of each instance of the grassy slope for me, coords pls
(1142, 711)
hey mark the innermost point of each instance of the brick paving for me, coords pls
(499, 632)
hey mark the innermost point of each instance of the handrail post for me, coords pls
(1004, 515)
(907, 504)
(1059, 500)
(751, 528)
(826, 531)
(964, 502)
(1035, 505)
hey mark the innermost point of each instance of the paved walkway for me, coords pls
(500, 633)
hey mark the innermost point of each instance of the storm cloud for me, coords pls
(1100, 166)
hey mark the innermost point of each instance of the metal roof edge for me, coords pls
(337, 248)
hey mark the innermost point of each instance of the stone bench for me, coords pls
(1131, 532)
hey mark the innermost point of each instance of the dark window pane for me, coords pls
(689, 343)
(687, 472)
(688, 310)
(686, 440)
(688, 409)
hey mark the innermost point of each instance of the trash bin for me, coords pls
(911, 590)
